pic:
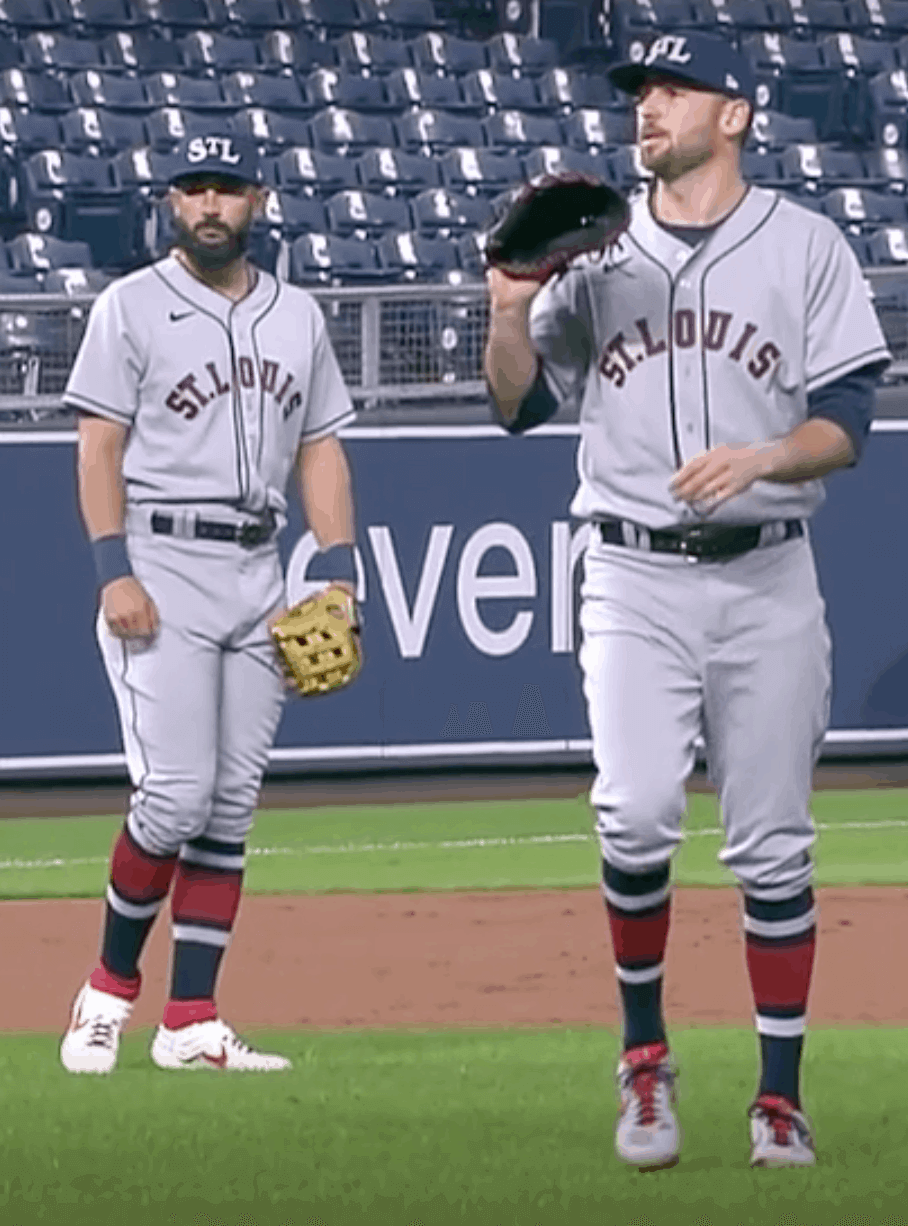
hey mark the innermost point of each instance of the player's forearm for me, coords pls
(102, 498)
(815, 448)
(511, 360)
(326, 492)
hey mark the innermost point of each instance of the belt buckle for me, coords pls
(690, 538)
(249, 535)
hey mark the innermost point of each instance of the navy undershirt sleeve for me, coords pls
(537, 406)
(849, 402)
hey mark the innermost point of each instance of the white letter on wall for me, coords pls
(473, 587)
(410, 630)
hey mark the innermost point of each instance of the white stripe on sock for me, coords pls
(647, 975)
(132, 910)
(635, 902)
(781, 1027)
(780, 928)
(200, 934)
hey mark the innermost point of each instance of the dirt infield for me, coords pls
(534, 958)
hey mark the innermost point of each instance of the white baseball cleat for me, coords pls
(780, 1134)
(647, 1134)
(92, 1041)
(211, 1044)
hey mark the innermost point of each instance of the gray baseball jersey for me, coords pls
(217, 394)
(672, 350)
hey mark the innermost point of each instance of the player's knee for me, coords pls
(780, 875)
(641, 830)
(172, 811)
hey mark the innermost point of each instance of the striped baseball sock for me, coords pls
(639, 907)
(138, 885)
(204, 903)
(780, 942)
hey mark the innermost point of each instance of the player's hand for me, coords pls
(128, 610)
(509, 293)
(710, 479)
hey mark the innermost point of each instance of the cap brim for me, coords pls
(192, 176)
(629, 77)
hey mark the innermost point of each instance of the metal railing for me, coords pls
(399, 347)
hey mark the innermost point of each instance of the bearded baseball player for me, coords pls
(201, 384)
(724, 356)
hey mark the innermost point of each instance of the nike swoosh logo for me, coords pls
(218, 1061)
(175, 318)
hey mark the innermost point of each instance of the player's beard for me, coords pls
(671, 163)
(211, 256)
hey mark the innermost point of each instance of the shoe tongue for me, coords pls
(646, 1053)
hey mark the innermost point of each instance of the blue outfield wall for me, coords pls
(469, 570)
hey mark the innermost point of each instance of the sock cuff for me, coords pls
(179, 1013)
(103, 979)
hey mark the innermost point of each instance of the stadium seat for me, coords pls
(514, 130)
(302, 169)
(567, 89)
(360, 52)
(22, 132)
(89, 129)
(19, 15)
(36, 91)
(412, 257)
(109, 89)
(881, 18)
(296, 50)
(264, 90)
(75, 282)
(487, 90)
(168, 125)
(590, 128)
(479, 171)
(739, 15)
(818, 167)
(411, 87)
(437, 51)
(336, 130)
(393, 170)
(213, 51)
(851, 53)
(143, 169)
(761, 166)
(334, 87)
(180, 16)
(469, 254)
(324, 259)
(781, 53)
(442, 212)
(554, 159)
(274, 131)
(431, 132)
(365, 214)
(522, 53)
(862, 209)
(773, 130)
(252, 17)
(39, 253)
(889, 245)
(626, 171)
(326, 16)
(887, 168)
(400, 16)
(129, 50)
(294, 215)
(95, 17)
(48, 49)
(887, 118)
(809, 16)
(172, 89)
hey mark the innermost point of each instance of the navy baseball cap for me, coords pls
(705, 60)
(216, 154)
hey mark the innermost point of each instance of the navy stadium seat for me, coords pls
(881, 18)
(178, 16)
(479, 171)
(626, 171)
(430, 131)
(295, 49)
(22, 15)
(336, 130)
(438, 51)
(411, 87)
(49, 49)
(812, 16)
(326, 15)
(168, 125)
(889, 245)
(851, 53)
(294, 215)
(567, 89)
(412, 257)
(469, 254)
(400, 16)
(97, 16)
(522, 53)
(761, 166)
(325, 259)
(272, 130)
(515, 130)
(75, 282)
(773, 130)
(365, 214)
(38, 253)
(130, 50)
(265, 90)
(863, 209)
(89, 129)
(815, 167)
(360, 52)
(302, 169)
(591, 128)
(334, 87)
(440, 211)
(488, 90)
(554, 159)
(186, 92)
(739, 15)
(776, 52)
(386, 169)
(23, 131)
(143, 169)
(253, 16)
(111, 89)
(887, 168)
(36, 91)
(216, 52)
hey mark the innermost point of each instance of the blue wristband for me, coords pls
(111, 559)
(335, 562)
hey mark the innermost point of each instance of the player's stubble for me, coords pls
(670, 157)
(202, 244)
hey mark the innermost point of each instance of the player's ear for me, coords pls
(734, 119)
(259, 199)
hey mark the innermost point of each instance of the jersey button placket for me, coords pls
(685, 325)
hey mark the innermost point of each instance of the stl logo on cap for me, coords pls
(201, 148)
(671, 47)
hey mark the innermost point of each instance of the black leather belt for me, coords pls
(249, 535)
(707, 542)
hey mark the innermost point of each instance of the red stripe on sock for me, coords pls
(639, 938)
(179, 1013)
(206, 895)
(136, 875)
(780, 974)
(104, 980)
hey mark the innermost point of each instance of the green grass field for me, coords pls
(430, 1128)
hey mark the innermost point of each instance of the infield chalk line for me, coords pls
(444, 845)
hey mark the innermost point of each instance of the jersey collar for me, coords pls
(204, 298)
(674, 254)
